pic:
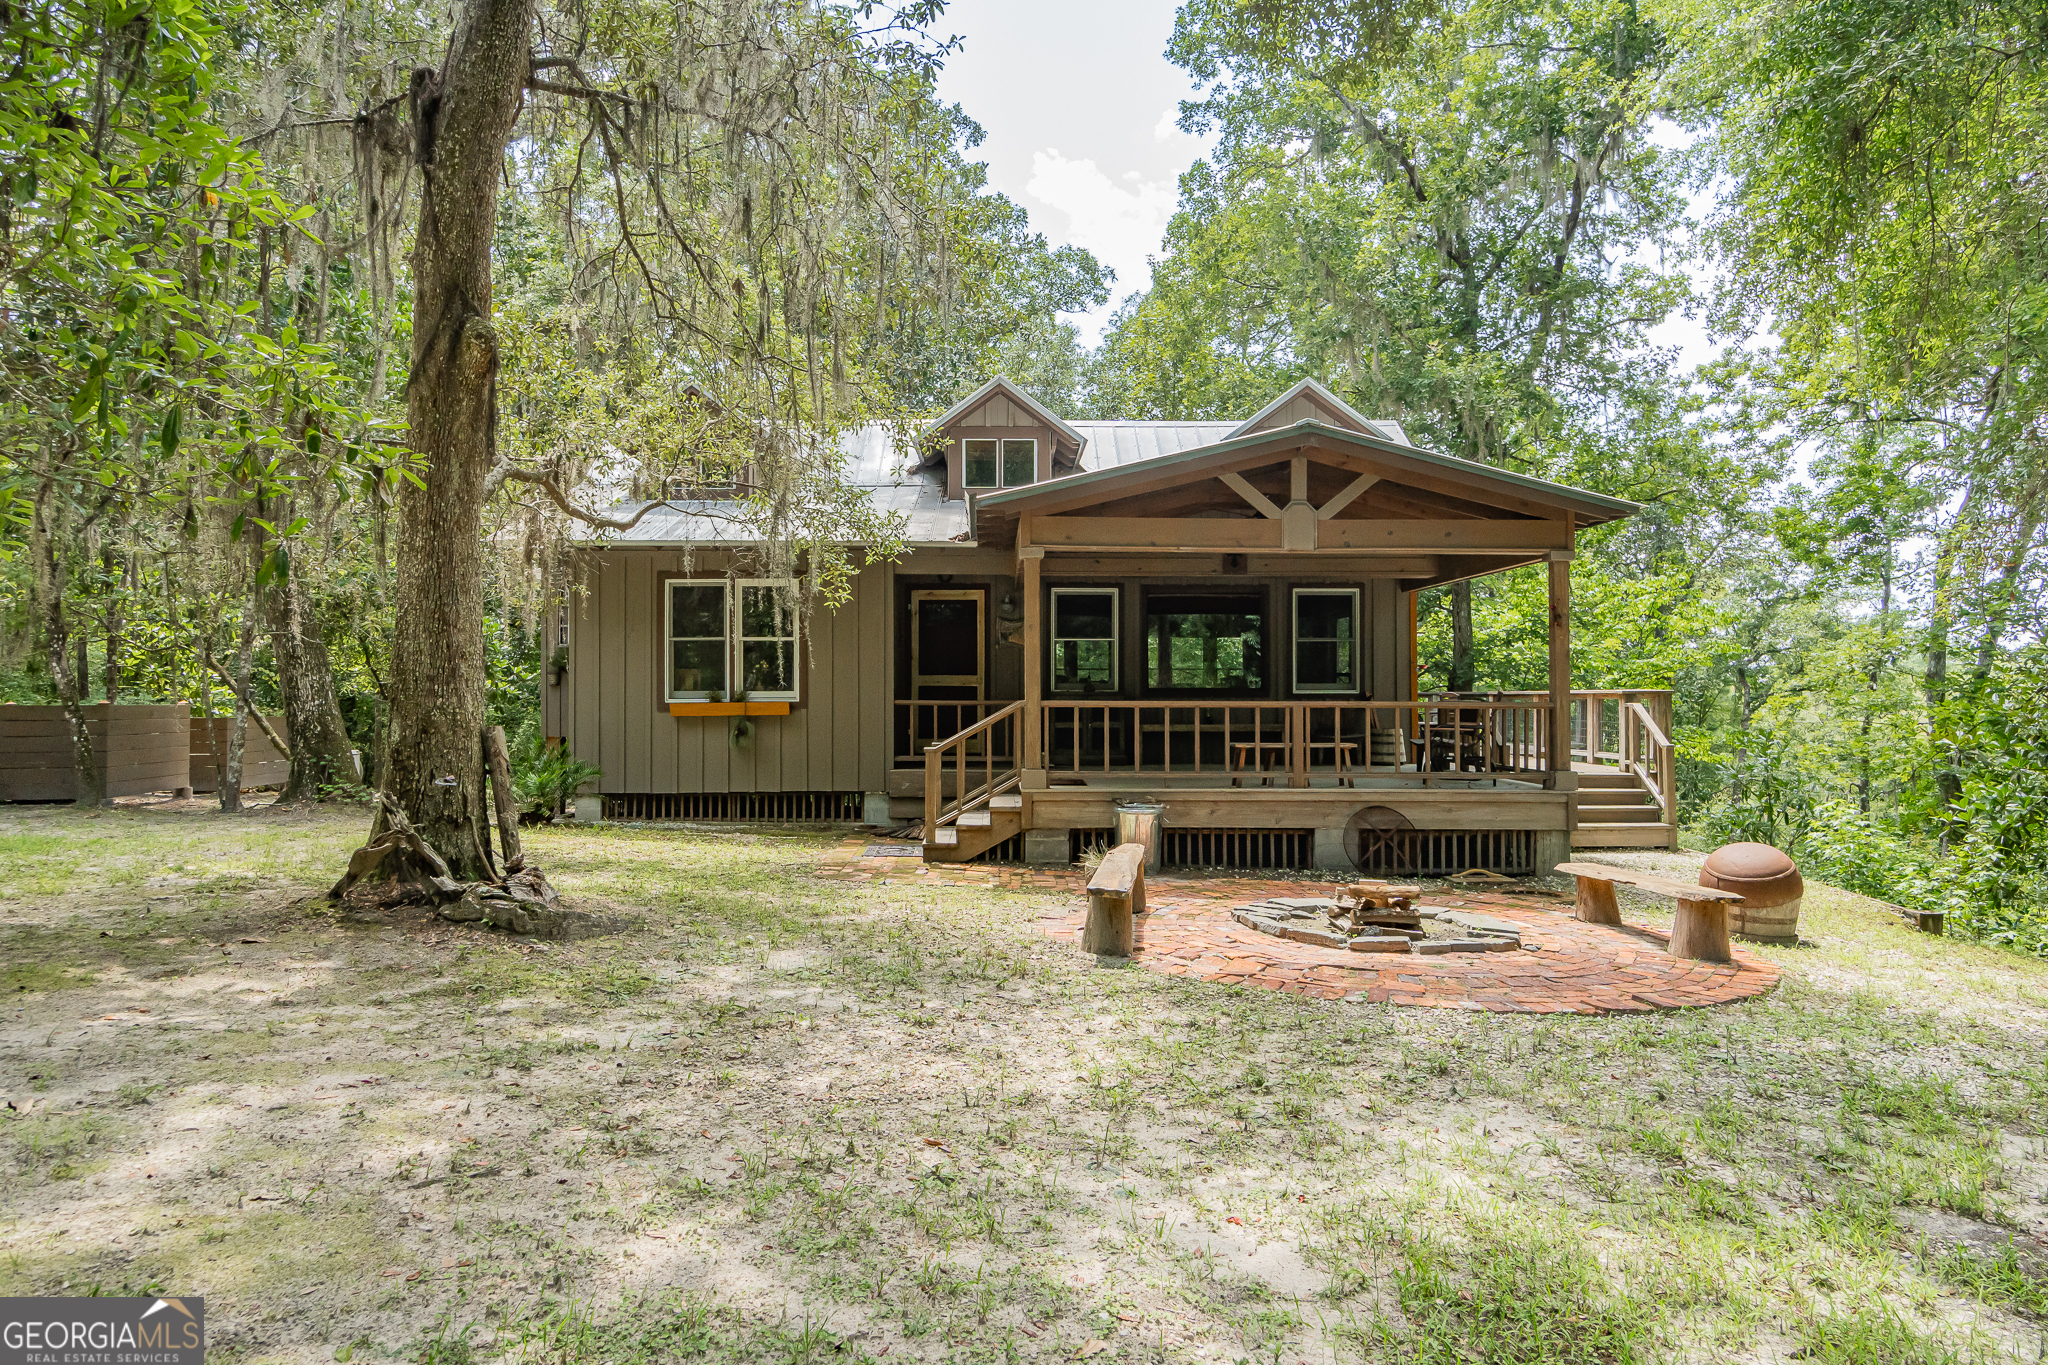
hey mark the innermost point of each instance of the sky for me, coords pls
(1079, 104)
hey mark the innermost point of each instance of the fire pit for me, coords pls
(1376, 917)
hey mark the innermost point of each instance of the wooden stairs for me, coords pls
(983, 813)
(1615, 812)
(978, 830)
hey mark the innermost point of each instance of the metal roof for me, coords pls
(873, 462)
(895, 483)
(1114, 444)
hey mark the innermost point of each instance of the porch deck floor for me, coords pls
(1577, 969)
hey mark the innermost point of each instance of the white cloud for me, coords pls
(1122, 225)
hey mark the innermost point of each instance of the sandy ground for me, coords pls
(772, 1117)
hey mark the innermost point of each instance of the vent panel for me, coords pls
(737, 807)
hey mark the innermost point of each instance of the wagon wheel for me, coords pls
(1376, 839)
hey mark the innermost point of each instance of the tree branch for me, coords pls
(283, 749)
(546, 483)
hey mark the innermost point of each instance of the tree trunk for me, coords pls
(498, 759)
(1947, 784)
(305, 679)
(463, 117)
(45, 537)
(111, 665)
(238, 717)
(1878, 665)
(1464, 671)
(1737, 782)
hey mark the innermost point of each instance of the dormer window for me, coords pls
(1008, 463)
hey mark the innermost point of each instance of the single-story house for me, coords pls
(1216, 616)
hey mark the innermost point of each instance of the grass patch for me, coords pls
(1509, 1295)
(908, 1110)
(42, 976)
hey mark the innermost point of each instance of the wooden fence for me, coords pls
(151, 749)
(144, 748)
(262, 764)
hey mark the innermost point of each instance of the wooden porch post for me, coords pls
(1561, 776)
(1034, 670)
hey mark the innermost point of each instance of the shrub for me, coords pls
(545, 776)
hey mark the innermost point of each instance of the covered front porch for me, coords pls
(1440, 764)
(1231, 633)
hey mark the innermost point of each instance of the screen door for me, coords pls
(948, 660)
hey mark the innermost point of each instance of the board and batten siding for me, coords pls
(613, 712)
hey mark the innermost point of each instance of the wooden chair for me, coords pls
(1699, 925)
(1115, 894)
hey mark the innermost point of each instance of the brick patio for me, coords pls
(1577, 968)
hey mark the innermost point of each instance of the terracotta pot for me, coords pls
(1769, 884)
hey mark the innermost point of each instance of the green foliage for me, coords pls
(1844, 847)
(545, 777)
(1428, 223)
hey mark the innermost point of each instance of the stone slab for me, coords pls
(1485, 924)
(1370, 944)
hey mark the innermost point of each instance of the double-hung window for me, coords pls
(1084, 639)
(1326, 640)
(767, 639)
(727, 637)
(989, 463)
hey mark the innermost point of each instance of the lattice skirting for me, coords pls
(737, 807)
(1442, 852)
(1407, 853)
(1209, 847)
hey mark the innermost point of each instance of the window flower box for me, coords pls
(705, 710)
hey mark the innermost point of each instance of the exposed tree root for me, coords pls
(397, 865)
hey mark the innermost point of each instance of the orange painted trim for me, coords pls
(708, 709)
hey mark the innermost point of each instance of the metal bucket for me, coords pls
(1138, 822)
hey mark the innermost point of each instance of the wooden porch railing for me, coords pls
(1300, 738)
(1629, 729)
(987, 750)
(923, 723)
(1647, 755)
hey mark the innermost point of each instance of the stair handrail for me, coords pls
(1656, 770)
(939, 813)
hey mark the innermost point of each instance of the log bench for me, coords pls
(1699, 926)
(1115, 893)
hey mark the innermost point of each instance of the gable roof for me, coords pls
(1320, 396)
(1016, 395)
(997, 512)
